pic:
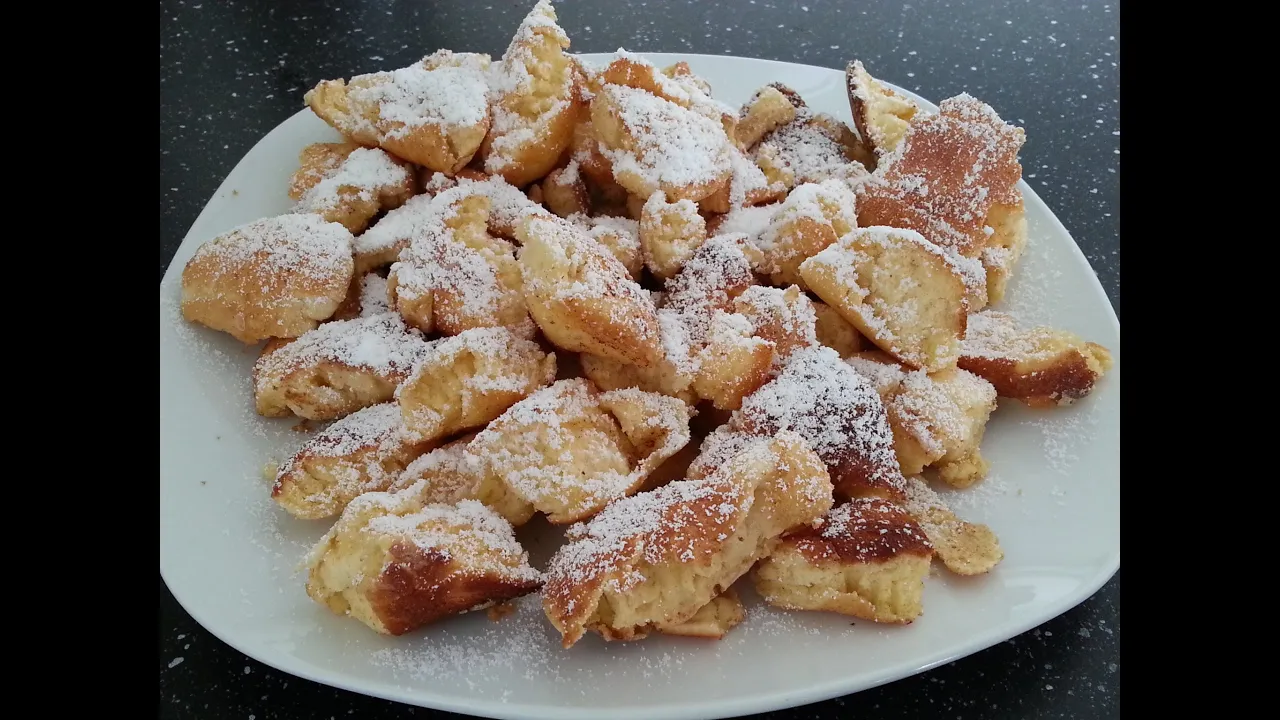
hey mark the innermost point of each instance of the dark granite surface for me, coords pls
(231, 71)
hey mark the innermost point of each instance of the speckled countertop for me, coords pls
(231, 71)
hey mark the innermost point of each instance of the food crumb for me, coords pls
(500, 611)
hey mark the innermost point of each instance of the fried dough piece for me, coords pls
(884, 372)
(672, 375)
(733, 363)
(964, 548)
(669, 234)
(717, 273)
(455, 276)
(676, 84)
(568, 450)
(382, 244)
(449, 474)
(336, 369)
(534, 101)
(1004, 247)
(813, 147)
(783, 317)
(881, 115)
(363, 183)
(712, 621)
(464, 381)
(655, 559)
(582, 298)
(316, 162)
(868, 559)
(747, 187)
(564, 193)
(396, 565)
(938, 421)
(656, 144)
(363, 452)
(946, 174)
(812, 217)
(1040, 366)
(434, 112)
(766, 111)
(903, 293)
(619, 235)
(840, 415)
(835, 332)
(366, 298)
(276, 277)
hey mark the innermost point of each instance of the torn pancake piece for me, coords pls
(363, 452)
(581, 296)
(455, 275)
(712, 621)
(449, 474)
(568, 449)
(906, 295)
(534, 100)
(867, 559)
(272, 278)
(464, 381)
(881, 114)
(945, 176)
(396, 565)
(1040, 366)
(656, 558)
(965, 548)
(363, 183)
(839, 414)
(434, 113)
(336, 369)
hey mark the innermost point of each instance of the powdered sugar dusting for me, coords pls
(673, 146)
(551, 425)
(380, 344)
(810, 150)
(398, 228)
(273, 249)
(836, 410)
(445, 89)
(750, 221)
(469, 531)
(704, 285)
(362, 175)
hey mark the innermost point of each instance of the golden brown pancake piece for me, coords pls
(867, 559)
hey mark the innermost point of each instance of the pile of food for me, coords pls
(715, 343)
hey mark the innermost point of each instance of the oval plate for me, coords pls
(231, 557)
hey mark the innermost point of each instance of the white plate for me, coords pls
(230, 556)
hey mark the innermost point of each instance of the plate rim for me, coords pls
(720, 708)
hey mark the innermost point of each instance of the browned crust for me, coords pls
(1070, 377)
(420, 586)
(856, 105)
(876, 531)
(351, 304)
(315, 162)
(938, 147)
(790, 95)
(697, 526)
(853, 474)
